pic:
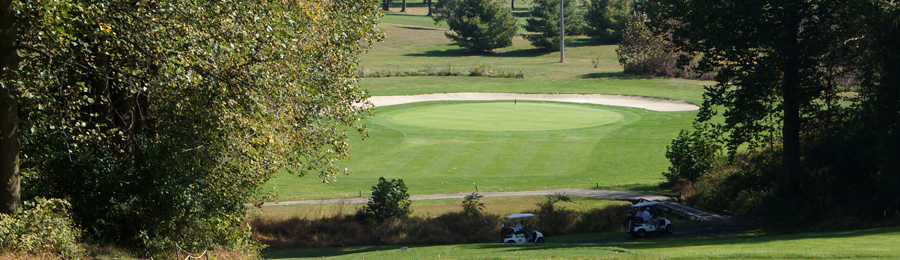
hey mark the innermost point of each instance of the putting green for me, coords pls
(505, 116)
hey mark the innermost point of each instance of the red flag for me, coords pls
(514, 101)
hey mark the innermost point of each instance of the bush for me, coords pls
(605, 19)
(692, 155)
(479, 25)
(545, 22)
(41, 227)
(389, 199)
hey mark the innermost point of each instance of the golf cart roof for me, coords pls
(644, 204)
(523, 215)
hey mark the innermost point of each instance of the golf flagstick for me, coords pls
(515, 103)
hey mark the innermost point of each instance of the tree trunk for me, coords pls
(386, 5)
(9, 108)
(790, 87)
(403, 9)
(429, 7)
(512, 4)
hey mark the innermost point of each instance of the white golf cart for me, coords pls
(509, 234)
(658, 223)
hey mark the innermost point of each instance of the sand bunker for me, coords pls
(655, 104)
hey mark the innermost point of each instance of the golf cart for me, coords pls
(508, 233)
(658, 223)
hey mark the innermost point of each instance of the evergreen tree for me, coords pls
(545, 22)
(605, 19)
(479, 25)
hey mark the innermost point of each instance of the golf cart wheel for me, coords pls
(641, 233)
(540, 240)
(670, 229)
(511, 241)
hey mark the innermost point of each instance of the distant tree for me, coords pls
(545, 22)
(605, 19)
(478, 25)
(386, 5)
(389, 199)
(644, 52)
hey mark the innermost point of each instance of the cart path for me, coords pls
(649, 103)
(603, 194)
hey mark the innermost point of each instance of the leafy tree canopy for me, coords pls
(158, 119)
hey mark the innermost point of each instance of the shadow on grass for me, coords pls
(613, 75)
(468, 53)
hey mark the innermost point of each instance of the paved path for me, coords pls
(604, 194)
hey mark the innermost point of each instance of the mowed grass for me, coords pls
(627, 154)
(859, 244)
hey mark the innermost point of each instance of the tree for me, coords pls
(771, 59)
(643, 52)
(605, 19)
(545, 21)
(386, 5)
(692, 155)
(9, 139)
(157, 120)
(479, 25)
(389, 199)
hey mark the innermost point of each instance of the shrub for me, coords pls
(41, 227)
(471, 206)
(479, 25)
(692, 155)
(389, 199)
(605, 19)
(545, 22)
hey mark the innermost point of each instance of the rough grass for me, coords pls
(450, 226)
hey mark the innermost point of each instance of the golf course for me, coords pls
(518, 144)
(503, 145)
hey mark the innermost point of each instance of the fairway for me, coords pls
(505, 116)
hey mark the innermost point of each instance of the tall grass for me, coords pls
(448, 228)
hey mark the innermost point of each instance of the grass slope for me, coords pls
(628, 154)
(863, 244)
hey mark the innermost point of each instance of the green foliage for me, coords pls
(549, 216)
(545, 22)
(778, 64)
(389, 199)
(157, 120)
(472, 208)
(605, 19)
(643, 52)
(42, 227)
(692, 155)
(478, 25)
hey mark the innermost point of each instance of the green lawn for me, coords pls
(859, 244)
(627, 154)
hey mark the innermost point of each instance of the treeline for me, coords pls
(485, 25)
(808, 91)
